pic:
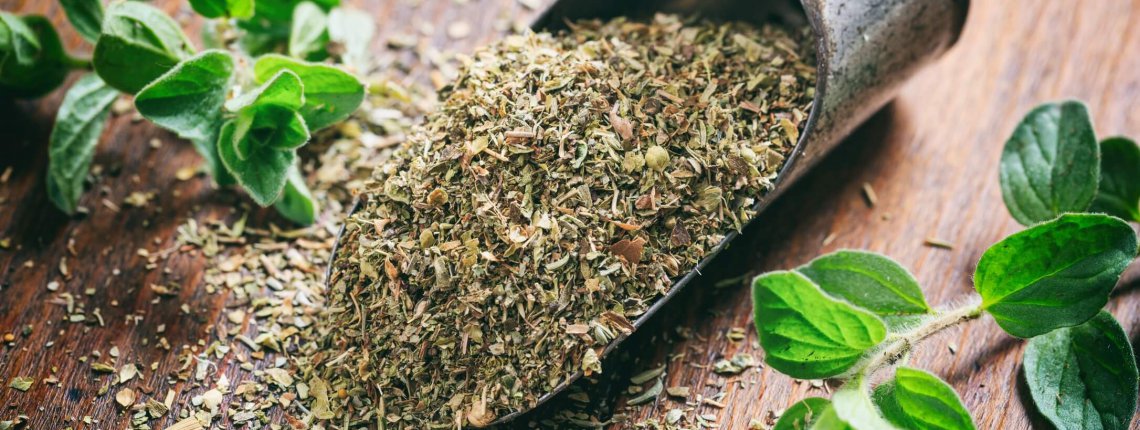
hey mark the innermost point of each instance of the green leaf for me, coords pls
(139, 43)
(284, 89)
(918, 400)
(282, 10)
(86, 16)
(296, 202)
(1054, 274)
(807, 334)
(188, 99)
(805, 414)
(853, 406)
(353, 30)
(223, 8)
(1084, 377)
(268, 118)
(262, 174)
(1119, 191)
(80, 122)
(331, 94)
(207, 147)
(869, 280)
(309, 35)
(268, 127)
(32, 59)
(1051, 163)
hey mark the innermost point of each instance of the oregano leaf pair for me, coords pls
(1053, 164)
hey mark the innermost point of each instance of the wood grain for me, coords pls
(931, 157)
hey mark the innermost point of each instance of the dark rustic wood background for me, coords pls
(931, 157)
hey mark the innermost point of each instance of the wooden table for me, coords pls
(931, 157)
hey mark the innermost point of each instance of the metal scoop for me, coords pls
(865, 50)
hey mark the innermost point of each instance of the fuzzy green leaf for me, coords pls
(918, 400)
(207, 147)
(853, 406)
(807, 334)
(86, 16)
(268, 118)
(282, 10)
(309, 34)
(283, 89)
(868, 280)
(269, 127)
(32, 59)
(139, 43)
(223, 8)
(262, 174)
(1084, 377)
(331, 94)
(809, 413)
(1054, 274)
(1051, 163)
(353, 31)
(1119, 191)
(188, 99)
(296, 202)
(81, 119)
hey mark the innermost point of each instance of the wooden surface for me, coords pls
(931, 157)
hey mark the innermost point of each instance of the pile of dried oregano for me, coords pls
(562, 185)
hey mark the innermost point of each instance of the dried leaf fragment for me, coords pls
(630, 250)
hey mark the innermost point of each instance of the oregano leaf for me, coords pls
(282, 10)
(918, 400)
(262, 174)
(309, 34)
(1051, 163)
(297, 203)
(268, 118)
(1054, 274)
(223, 8)
(138, 44)
(188, 99)
(1084, 377)
(78, 125)
(331, 94)
(86, 16)
(1119, 190)
(32, 59)
(869, 280)
(283, 89)
(268, 127)
(207, 147)
(806, 414)
(807, 334)
(854, 406)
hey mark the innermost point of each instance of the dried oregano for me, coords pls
(561, 187)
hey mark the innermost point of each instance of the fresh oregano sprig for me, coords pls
(276, 103)
(852, 314)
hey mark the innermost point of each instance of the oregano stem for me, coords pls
(901, 344)
(76, 63)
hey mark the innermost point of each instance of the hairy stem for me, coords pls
(901, 344)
